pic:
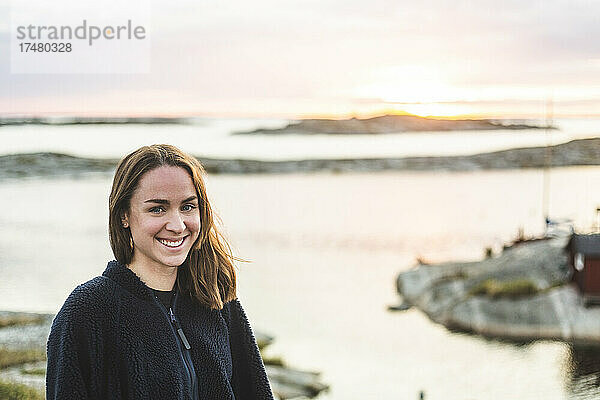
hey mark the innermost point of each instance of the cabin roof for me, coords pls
(588, 245)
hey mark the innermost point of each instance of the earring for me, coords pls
(131, 242)
(125, 225)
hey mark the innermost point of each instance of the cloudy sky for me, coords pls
(334, 57)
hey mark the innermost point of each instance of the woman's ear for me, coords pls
(125, 221)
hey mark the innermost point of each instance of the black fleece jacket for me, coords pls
(112, 340)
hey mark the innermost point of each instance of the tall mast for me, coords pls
(547, 162)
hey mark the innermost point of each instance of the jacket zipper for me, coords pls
(186, 353)
(174, 324)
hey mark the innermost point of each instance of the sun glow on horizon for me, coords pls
(415, 89)
(436, 109)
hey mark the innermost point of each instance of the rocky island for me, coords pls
(387, 124)
(576, 152)
(524, 294)
(90, 121)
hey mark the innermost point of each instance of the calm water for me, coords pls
(325, 251)
(211, 138)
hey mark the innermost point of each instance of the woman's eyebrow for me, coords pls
(159, 201)
(162, 201)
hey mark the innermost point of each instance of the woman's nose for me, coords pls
(175, 223)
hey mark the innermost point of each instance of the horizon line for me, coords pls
(290, 116)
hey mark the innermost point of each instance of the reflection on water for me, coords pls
(582, 372)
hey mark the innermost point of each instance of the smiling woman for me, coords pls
(163, 320)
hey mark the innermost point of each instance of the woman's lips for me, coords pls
(172, 244)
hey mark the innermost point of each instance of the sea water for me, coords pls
(213, 138)
(324, 252)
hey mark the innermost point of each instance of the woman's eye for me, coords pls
(156, 210)
(188, 207)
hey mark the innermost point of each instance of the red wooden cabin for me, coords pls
(584, 261)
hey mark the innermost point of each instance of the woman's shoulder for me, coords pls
(234, 314)
(87, 301)
(96, 290)
(231, 305)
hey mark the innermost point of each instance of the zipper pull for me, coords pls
(184, 339)
(179, 330)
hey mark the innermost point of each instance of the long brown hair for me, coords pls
(208, 273)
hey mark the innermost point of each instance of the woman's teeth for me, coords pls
(170, 243)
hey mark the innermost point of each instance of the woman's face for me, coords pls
(163, 217)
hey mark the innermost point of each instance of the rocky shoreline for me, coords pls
(387, 124)
(524, 294)
(582, 152)
(7, 121)
(23, 338)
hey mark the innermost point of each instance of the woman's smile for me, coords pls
(172, 244)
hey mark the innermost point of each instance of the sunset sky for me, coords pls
(335, 58)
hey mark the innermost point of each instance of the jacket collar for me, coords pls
(127, 279)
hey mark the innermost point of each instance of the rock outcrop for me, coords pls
(576, 152)
(386, 124)
(524, 294)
